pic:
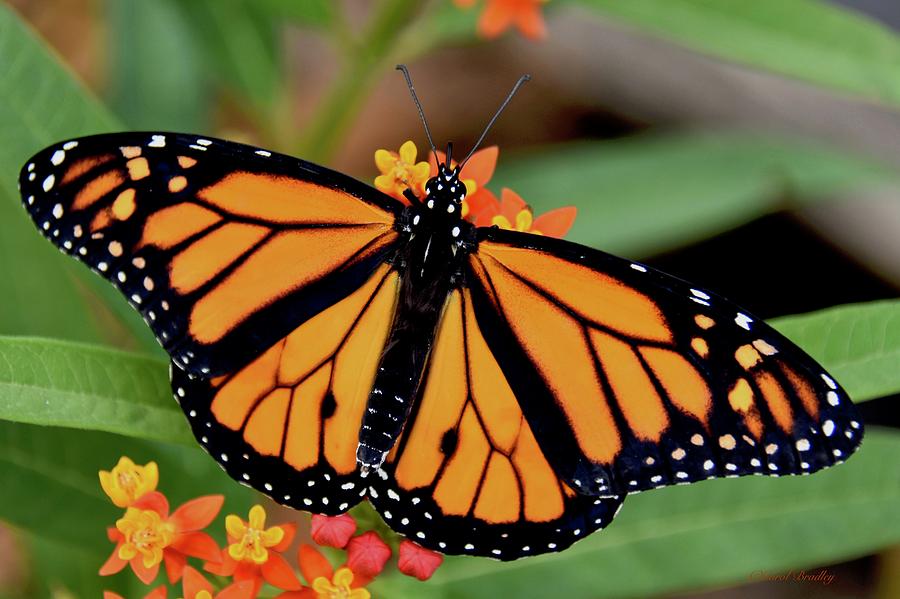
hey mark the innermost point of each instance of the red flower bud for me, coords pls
(367, 554)
(415, 560)
(333, 531)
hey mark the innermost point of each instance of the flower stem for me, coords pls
(360, 71)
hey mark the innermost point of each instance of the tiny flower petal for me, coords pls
(313, 564)
(198, 544)
(367, 554)
(272, 537)
(481, 165)
(483, 206)
(113, 565)
(501, 221)
(145, 574)
(523, 220)
(198, 513)
(385, 160)
(224, 567)
(153, 501)
(556, 223)
(237, 590)
(175, 563)
(289, 529)
(193, 582)
(277, 572)
(415, 560)
(257, 517)
(408, 152)
(234, 526)
(332, 531)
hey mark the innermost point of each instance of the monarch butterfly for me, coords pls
(491, 392)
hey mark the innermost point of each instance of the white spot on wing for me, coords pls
(743, 321)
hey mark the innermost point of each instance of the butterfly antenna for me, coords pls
(412, 90)
(522, 80)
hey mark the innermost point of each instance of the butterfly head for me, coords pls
(445, 192)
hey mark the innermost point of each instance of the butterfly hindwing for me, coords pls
(288, 422)
(222, 247)
(468, 477)
(633, 379)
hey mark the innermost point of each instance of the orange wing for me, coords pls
(223, 248)
(288, 422)
(632, 379)
(468, 476)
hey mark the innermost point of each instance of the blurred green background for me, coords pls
(751, 147)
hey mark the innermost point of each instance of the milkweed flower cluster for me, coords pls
(149, 536)
(400, 171)
(499, 15)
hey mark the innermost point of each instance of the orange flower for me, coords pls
(195, 586)
(147, 535)
(332, 531)
(127, 482)
(399, 171)
(327, 583)
(254, 552)
(513, 213)
(500, 15)
(415, 560)
(475, 175)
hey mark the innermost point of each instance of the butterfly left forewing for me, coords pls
(468, 477)
(222, 247)
(634, 380)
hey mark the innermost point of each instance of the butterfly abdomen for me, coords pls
(428, 268)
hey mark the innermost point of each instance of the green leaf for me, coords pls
(806, 39)
(44, 293)
(650, 193)
(145, 96)
(711, 533)
(859, 344)
(441, 24)
(68, 384)
(241, 46)
(50, 485)
(309, 13)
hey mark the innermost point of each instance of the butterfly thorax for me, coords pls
(430, 262)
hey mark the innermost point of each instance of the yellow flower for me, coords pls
(252, 539)
(127, 482)
(399, 171)
(524, 219)
(339, 586)
(514, 214)
(145, 534)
